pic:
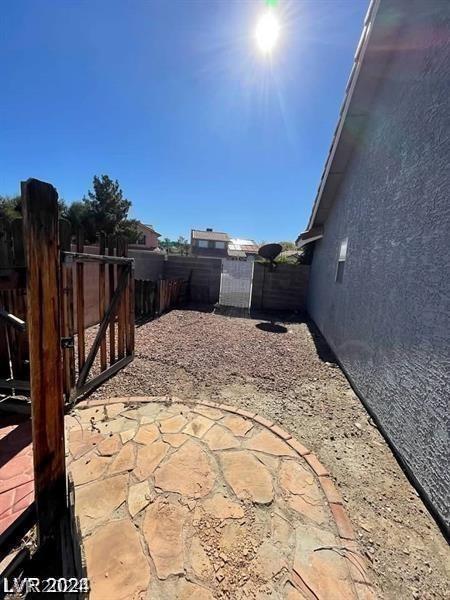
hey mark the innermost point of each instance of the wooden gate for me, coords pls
(112, 347)
(105, 281)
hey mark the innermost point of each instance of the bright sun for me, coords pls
(267, 32)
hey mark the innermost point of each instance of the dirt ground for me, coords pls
(290, 377)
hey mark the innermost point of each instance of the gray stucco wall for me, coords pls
(389, 320)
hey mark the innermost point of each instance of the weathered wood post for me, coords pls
(40, 214)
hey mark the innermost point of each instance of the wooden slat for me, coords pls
(121, 308)
(112, 326)
(14, 349)
(80, 303)
(126, 308)
(131, 314)
(40, 212)
(110, 312)
(5, 244)
(67, 310)
(101, 299)
(17, 242)
(70, 323)
(4, 353)
(20, 311)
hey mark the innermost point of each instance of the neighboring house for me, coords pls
(148, 239)
(242, 249)
(379, 283)
(217, 244)
(209, 243)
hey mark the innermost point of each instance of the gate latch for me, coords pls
(67, 342)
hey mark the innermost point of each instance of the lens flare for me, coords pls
(267, 32)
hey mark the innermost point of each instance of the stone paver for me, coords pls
(188, 471)
(97, 501)
(248, 477)
(173, 424)
(222, 508)
(237, 425)
(117, 564)
(267, 442)
(148, 458)
(219, 438)
(198, 426)
(184, 501)
(139, 497)
(163, 532)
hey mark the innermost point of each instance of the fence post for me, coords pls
(40, 213)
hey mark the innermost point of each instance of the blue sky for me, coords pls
(173, 99)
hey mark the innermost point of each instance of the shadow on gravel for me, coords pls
(324, 352)
(271, 327)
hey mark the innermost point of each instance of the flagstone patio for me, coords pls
(179, 500)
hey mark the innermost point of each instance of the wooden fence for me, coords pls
(89, 356)
(153, 298)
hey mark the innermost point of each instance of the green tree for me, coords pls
(104, 209)
(166, 244)
(80, 217)
(288, 245)
(10, 207)
(129, 229)
(107, 205)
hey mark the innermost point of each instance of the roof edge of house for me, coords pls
(360, 54)
(150, 228)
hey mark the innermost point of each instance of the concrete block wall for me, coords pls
(203, 273)
(147, 265)
(283, 288)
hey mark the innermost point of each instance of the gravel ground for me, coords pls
(291, 378)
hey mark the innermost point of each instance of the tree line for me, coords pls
(104, 208)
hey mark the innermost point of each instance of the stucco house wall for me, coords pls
(388, 321)
(149, 238)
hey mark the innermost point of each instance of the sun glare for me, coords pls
(267, 32)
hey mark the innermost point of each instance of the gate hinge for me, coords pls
(67, 342)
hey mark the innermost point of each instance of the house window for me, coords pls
(142, 239)
(220, 245)
(202, 244)
(341, 260)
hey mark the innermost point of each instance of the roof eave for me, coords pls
(353, 115)
(308, 236)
